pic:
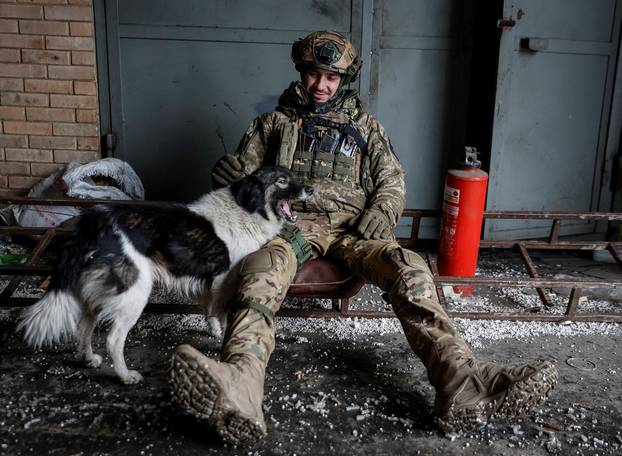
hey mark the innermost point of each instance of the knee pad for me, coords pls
(277, 255)
(414, 277)
(414, 260)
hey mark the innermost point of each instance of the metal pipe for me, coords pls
(528, 282)
(531, 269)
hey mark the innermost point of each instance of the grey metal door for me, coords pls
(187, 77)
(417, 85)
(556, 72)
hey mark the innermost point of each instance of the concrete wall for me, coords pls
(48, 89)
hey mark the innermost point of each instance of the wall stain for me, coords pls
(327, 8)
(228, 106)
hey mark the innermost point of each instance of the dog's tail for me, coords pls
(53, 319)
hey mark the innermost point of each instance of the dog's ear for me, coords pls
(249, 193)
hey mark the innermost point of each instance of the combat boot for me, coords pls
(228, 395)
(469, 392)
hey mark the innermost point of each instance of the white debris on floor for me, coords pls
(365, 389)
(475, 332)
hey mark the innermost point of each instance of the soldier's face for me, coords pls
(321, 85)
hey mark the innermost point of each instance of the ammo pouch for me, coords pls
(292, 234)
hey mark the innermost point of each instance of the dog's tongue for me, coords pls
(286, 210)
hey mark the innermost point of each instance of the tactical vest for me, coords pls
(328, 147)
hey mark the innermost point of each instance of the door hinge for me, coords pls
(109, 142)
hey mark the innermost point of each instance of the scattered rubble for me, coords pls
(334, 386)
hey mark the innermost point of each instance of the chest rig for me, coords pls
(328, 147)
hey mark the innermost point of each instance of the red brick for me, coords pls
(82, 156)
(29, 155)
(24, 70)
(14, 168)
(80, 2)
(18, 182)
(88, 143)
(74, 129)
(8, 26)
(50, 57)
(21, 11)
(48, 86)
(84, 88)
(43, 2)
(13, 141)
(71, 13)
(86, 116)
(21, 41)
(12, 113)
(71, 72)
(12, 192)
(44, 169)
(12, 84)
(9, 55)
(44, 27)
(24, 99)
(27, 128)
(1, 153)
(81, 28)
(75, 43)
(83, 58)
(51, 114)
(4, 183)
(73, 101)
(53, 142)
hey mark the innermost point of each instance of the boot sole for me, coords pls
(199, 393)
(518, 400)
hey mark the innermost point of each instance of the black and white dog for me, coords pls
(106, 272)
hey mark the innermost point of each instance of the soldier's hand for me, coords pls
(227, 170)
(374, 224)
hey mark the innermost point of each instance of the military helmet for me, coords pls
(327, 50)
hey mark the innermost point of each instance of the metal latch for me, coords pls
(534, 44)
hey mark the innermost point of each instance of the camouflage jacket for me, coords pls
(377, 179)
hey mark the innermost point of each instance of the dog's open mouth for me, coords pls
(286, 211)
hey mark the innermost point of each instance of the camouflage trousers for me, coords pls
(267, 274)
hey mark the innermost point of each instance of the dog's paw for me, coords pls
(132, 377)
(94, 362)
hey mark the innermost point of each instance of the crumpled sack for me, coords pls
(108, 178)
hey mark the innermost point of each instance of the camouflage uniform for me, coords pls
(353, 171)
(343, 188)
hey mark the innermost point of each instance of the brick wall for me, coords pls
(48, 89)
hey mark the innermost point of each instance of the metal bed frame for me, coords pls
(578, 286)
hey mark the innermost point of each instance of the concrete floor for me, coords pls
(333, 387)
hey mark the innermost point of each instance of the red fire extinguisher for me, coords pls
(461, 221)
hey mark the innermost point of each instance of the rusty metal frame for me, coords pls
(340, 306)
(577, 285)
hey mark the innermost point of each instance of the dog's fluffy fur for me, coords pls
(106, 272)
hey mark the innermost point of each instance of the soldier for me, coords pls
(320, 131)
